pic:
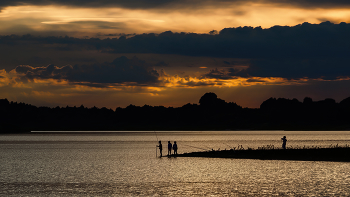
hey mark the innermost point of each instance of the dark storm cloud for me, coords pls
(305, 40)
(312, 3)
(130, 4)
(87, 3)
(219, 74)
(176, 4)
(121, 70)
(305, 50)
(161, 64)
(325, 68)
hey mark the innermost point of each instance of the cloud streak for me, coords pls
(121, 70)
(177, 4)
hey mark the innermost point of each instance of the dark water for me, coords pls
(125, 164)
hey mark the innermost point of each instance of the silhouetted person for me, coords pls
(175, 148)
(284, 139)
(160, 148)
(169, 148)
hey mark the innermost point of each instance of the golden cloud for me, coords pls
(82, 22)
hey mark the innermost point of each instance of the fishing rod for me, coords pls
(209, 148)
(195, 147)
(157, 141)
(228, 145)
(156, 135)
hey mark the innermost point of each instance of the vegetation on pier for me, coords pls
(332, 153)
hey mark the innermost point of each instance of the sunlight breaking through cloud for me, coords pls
(137, 51)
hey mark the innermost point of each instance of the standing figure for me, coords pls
(284, 139)
(169, 148)
(175, 148)
(160, 148)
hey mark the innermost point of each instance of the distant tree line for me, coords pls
(212, 113)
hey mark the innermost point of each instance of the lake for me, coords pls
(125, 164)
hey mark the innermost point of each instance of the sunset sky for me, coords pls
(113, 53)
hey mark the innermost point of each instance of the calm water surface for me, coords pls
(125, 164)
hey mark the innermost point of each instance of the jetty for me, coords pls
(337, 154)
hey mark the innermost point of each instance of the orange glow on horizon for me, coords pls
(166, 81)
(58, 91)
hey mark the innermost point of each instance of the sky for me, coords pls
(113, 53)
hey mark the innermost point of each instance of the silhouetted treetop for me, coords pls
(280, 104)
(4, 102)
(307, 101)
(345, 103)
(210, 99)
(212, 113)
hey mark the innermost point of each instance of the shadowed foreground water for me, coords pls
(125, 165)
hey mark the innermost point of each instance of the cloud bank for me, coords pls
(302, 51)
(177, 4)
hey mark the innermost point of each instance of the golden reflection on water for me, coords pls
(126, 165)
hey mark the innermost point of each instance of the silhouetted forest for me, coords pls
(211, 113)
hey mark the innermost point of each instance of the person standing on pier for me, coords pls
(160, 148)
(175, 148)
(284, 139)
(169, 148)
